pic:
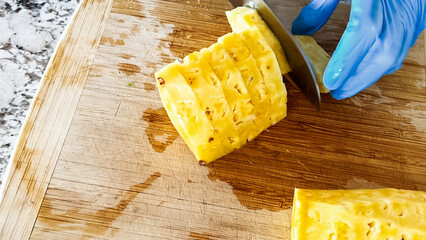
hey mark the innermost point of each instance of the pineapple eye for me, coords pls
(211, 139)
(235, 57)
(208, 115)
(238, 88)
(235, 118)
(161, 80)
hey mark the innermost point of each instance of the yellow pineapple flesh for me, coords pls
(270, 71)
(185, 112)
(243, 18)
(224, 95)
(235, 91)
(317, 57)
(256, 87)
(370, 214)
(210, 94)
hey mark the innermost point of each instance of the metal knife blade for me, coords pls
(302, 73)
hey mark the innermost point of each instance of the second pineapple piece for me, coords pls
(371, 214)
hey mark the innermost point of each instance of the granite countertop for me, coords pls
(29, 32)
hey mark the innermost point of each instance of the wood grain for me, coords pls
(119, 170)
(48, 120)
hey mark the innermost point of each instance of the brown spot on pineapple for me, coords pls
(235, 57)
(238, 88)
(161, 80)
(235, 118)
(209, 115)
(211, 139)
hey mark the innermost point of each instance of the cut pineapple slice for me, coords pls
(269, 70)
(209, 92)
(317, 57)
(252, 77)
(185, 112)
(235, 91)
(359, 214)
(243, 18)
(224, 95)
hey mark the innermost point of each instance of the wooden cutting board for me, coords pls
(99, 159)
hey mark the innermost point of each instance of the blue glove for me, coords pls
(375, 42)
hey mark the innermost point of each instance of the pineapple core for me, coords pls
(225, 95)
(377, 214)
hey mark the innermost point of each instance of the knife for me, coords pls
(302, 74)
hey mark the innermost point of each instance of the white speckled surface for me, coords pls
(29, 31)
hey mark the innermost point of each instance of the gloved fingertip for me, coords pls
(339, 95)
(332, 79)
(313, 16)
(301, 27)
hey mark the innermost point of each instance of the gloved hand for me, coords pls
(375, 42)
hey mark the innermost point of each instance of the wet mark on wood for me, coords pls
(199, 236)
(149, 86)
(108, 215)
(128, 69)
(159, 125)
(135, 30)
(254, 187)
(56, 221)
(126, 56)
(124, 35)
(111, 41)
(99, 223)
(132, 7)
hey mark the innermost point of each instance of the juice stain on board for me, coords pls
(98, 223)
(158, 126)
(128, 69)
(199, 236)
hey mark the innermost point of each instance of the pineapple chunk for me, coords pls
(317, 57)
(235, 90)
(210, 94)
(252, 77)
(184, 111)
(243, 18)
(223, 96)
(359, 214)
(270, 71)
